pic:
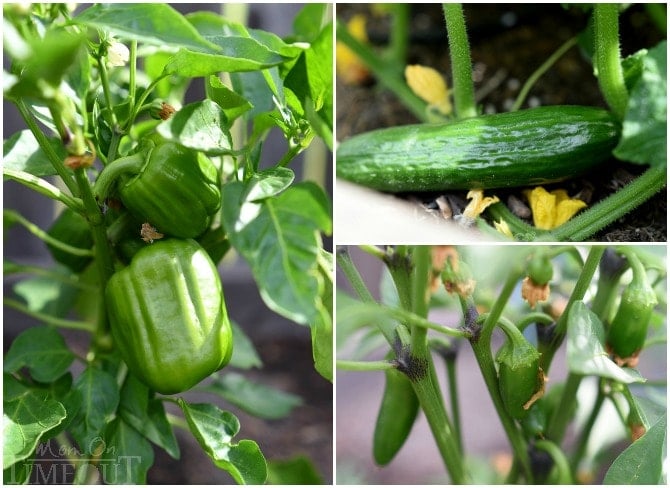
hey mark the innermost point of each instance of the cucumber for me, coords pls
(524, 148)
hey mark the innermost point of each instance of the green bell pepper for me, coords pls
(173, 188)
(168, 316)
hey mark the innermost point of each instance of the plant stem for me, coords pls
(560, 461)
(481, 346)
(563, 413)
(39, 233)
(613, 207)
(419, 322)
(48, 319)
(128, 165)
(461, 64)
(69, 280)
(532, 318)
(388, 75)
(364, 365)
(132, 77)
(45, 145)
(440, 426)
(578, 292)
(608, 57)
(397, 52)
(357, 283)
(586, 431)
(352, 274)
(43, 187)
(453, 401)
(532, 79)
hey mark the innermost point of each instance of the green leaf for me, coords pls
(22, 152)
(99, 396)
(147, 416)
(47, 294)
(258, 400)
(43, 351)
(26, 418)
(311, 76)
(152, 23)
(244, 352)
(586, 354)
(253, 87)
(297, 471)
(214, 430)
(279, 238)
(201, 126)
(644, 135)
(127, 455)
(218, 30)
(235, 54)
(52, 57)
(308, 22)
(268, 183)
(642, 462)
(233, 105)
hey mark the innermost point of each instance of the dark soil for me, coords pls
(508, 43)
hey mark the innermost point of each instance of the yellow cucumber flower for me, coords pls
(551, 209)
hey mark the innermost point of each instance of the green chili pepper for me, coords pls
(168, 316)
(71, 228)
(628, 330)
(399, 409)
(520, 379)
(173, 188)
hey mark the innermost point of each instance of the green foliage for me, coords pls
(102, 84)
(534, 413)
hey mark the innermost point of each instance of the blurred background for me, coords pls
(283, 346)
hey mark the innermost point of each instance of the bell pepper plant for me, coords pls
(549, 395)
(156, 189)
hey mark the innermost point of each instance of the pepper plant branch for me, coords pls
(387, 75)
(357, 283)
(43, 187)
(481, 346)
(440, 426)
(132, 76)
(578, 292)
(42, 140)
(560, 461)
(482, 351)
(608, 57)
(44, 236)
(364, 365)
(532, 318)
(563, 413)
(70, 280)
(48, 319)
(461, 63)
(584, 435)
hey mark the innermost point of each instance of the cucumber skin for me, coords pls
(524, 148)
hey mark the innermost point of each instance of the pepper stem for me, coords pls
(128, 165)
